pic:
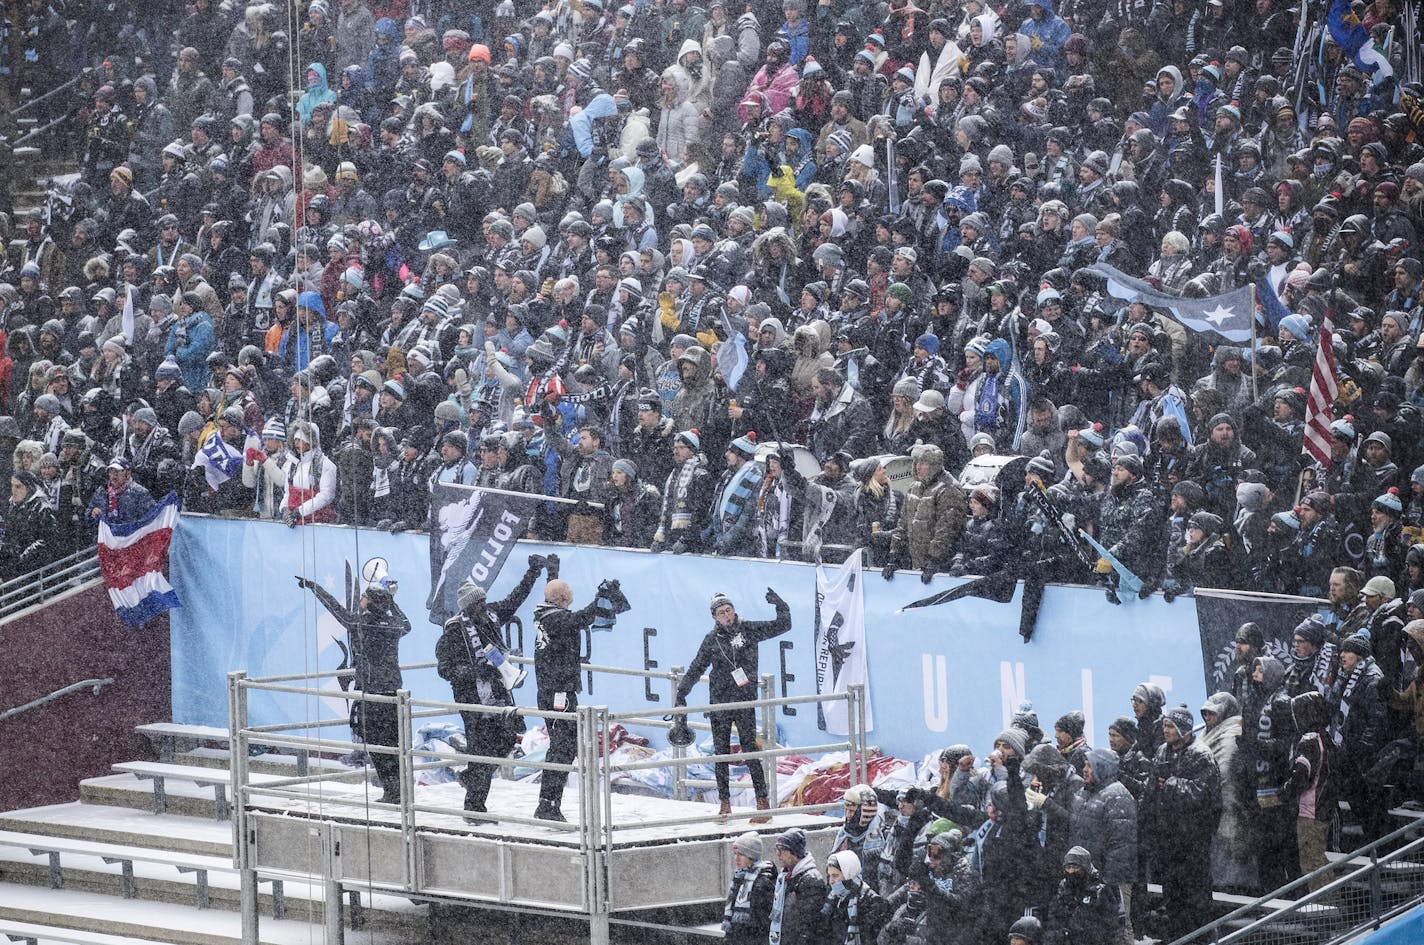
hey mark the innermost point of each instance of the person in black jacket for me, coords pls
(746, 916)
(730, 650)
(556, 667)
(1085, 909)
(470, 654)
(799, 894)
(30, 528)
(1184, 795)
(375, 629)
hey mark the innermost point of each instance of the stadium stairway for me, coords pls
(108, 870)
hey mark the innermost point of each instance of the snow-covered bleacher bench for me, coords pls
(57, 848)
(161, 772)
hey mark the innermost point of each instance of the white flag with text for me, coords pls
(841, 660)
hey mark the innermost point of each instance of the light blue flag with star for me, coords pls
(1225, 318)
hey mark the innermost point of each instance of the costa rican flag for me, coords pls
(133, 557)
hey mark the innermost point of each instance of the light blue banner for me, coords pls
(938, 675)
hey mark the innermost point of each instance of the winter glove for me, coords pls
(462, 382)
(1034, 798)
(657, 547)
(289, 517)
(956, 571)
(1170, 594)
(398, 527)
(304, 583)
(679, 547)
(551, 564)
(1103, 566)
(927, 575)
(888, 572)
(537, 562)
(962, 379)
(774, 598)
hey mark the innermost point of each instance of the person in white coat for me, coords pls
(311, 479)
(264, 471)
(681, 123)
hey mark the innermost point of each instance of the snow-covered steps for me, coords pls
(130, 826)
(163, 922)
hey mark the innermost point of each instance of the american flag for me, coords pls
(1320, 405)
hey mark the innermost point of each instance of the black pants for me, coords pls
(745, 721)
(1276, 848)
(376, 724)
(484, 735)
(1369, 805)
(1185, 868)
(563, 748)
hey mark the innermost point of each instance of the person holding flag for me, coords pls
(214, 482)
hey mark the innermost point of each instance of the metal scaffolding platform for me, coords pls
(618, 853)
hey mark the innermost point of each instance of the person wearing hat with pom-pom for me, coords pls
(1386, 545)
(732, 528)
(687, 497)
(729, 651)
(746, 916)
(1361, 727)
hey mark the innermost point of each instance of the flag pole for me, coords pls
(1255, 393)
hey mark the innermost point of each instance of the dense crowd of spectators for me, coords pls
(1048, 839)
(322, 256)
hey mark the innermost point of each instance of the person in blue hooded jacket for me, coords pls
(1046, 33)
(382, 70)
(190, 341)
(317, 92)
(298, 346)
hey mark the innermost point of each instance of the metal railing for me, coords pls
(48, 581)
(1352, 894)
(596, 774)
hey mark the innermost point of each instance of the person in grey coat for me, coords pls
(1104, 822)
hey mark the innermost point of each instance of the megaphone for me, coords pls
(680, 735)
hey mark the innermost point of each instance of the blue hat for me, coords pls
(1092, 436)
(396, 388)
(274, 429)
(745, 444)
(1282, 237)
(691, 438)
(1389, 501)
(1297, 325)
(1343, 428)
(929, 341)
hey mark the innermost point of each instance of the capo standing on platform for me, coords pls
(375, 629)
(471, 655)
(730, 649)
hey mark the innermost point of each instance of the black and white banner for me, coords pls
(471, 533)
(841, 659)
(1221, 613)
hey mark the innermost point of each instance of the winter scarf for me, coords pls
(778, 903)
(839, 891)
(740, 492)
(773, 517)
(738, 908)
(1347, 697)
(986, 405)
(682, 488)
